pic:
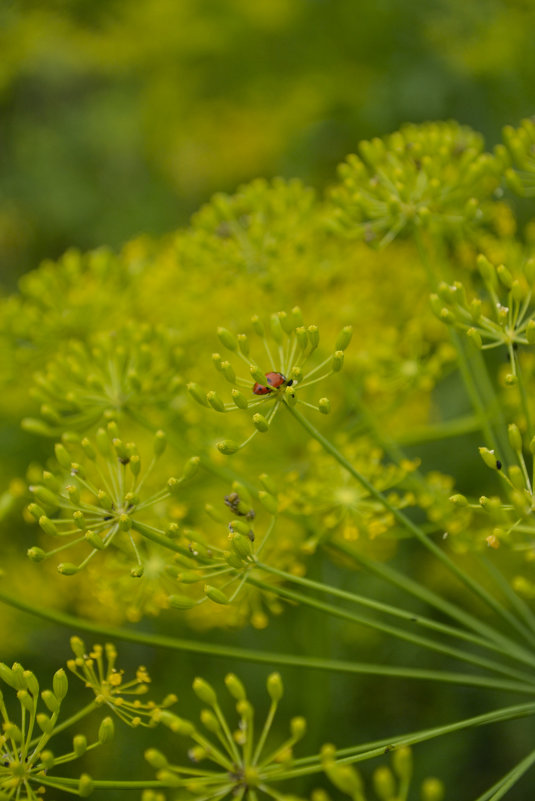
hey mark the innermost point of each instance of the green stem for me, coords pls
(423, 642)
(396, 611)
(476, 588)
(504, 784)
(73, 719)
(261, 657)
(417, 590)
(505, 713)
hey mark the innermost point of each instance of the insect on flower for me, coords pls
(274, 380)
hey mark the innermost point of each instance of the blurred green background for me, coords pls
(119, 118)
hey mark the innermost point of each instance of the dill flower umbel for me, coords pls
(115, 373)
(97, 669)
(26, 761)
(238, 762)
(101, 499)
(518, 157)
(433, 175)
(286, 347)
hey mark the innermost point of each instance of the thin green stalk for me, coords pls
(473, 585)
(73, 719)
(261, 657)
(505, 713)
(422, 642)
(504, 784)
(417, 590)
(396, 611)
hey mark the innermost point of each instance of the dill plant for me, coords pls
(367, 515)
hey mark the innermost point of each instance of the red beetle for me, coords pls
(275, 380)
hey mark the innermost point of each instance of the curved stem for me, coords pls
(417, 590)
(262, 657)
(360, 755)
(423, 642)
(395, 611)
(407, 523)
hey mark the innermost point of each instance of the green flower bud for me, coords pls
(68, 569)
(313, 336)
(215, 401)
(276, 328)
(384, 783)
(228, 447)
(183, 602)
(197, 394)
(191, 468)
(302, 336)
(475, 336)
(514, 436)
(44, 722)
(297, 317)
(50, 700)
(137, 571)
(486, 269)
(155, 758)
(432, 790)
(106, 730)
(268, 483)
(45, 496)
(103, 442)
(530, 332)
(135, 464)
(25, 700)
(78, 647)
(79, 744)
(217, 360)
(47, 759)
(475, 309)
(298, 727)
(268, 501)
(239, 399)
(227, 339)
(205, 692)
(62, 455)
(258, 375)
(275, 687)
(36, 554)
(36, 511)
(516, 477)
(324, 405)
(489, 459)
(215, 595)
(210, 722)
(176, 724)
(344, 338)
(31, 683)
(505, 276)
(257, 324)
(402, 763)
(235, 687)
(338, 360)
(160, 443)
(60, 684)
(241, 545)
(459, 500)
(260, 423)
(48, 526)
(85, 785)
(34, 426)
(228, 372)
(243, 344)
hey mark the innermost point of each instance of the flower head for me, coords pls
(116, 372)
(238, 763)
(518, 155)
(97, 669)
(98, 497)
(277, 375)
(430, 175)
(25, 756)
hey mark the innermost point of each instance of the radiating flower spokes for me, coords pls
(504, 317)
(241, 764)
(286, 347)
(25, 755)
(100, 499)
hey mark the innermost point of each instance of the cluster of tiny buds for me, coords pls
(510, 323)
(97, 500)
(287, 346)
(25, 756)
(519, 484)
